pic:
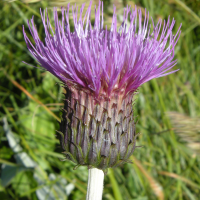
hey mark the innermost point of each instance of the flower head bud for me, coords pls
(102, 69)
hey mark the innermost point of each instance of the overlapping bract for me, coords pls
(97, 134)
(100, 60)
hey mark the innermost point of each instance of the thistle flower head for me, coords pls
(101, 70)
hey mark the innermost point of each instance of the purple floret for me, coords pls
(105, 61)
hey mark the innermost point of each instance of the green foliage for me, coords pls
(166, 167)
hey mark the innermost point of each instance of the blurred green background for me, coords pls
(167, 110)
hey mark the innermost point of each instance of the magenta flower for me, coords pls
(101, 70)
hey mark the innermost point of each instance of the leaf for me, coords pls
(39, 121)
(57, 187)
(22, 158)
(58, 190)
(9, 172)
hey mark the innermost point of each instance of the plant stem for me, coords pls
(115, 186)
(95, 184)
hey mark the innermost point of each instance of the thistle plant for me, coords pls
(101, 71)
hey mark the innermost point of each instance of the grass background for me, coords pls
(167, 109)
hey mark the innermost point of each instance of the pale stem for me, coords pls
(95, 184)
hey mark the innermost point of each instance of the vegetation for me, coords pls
(167, 110)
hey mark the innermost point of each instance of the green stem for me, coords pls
(115, 187)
